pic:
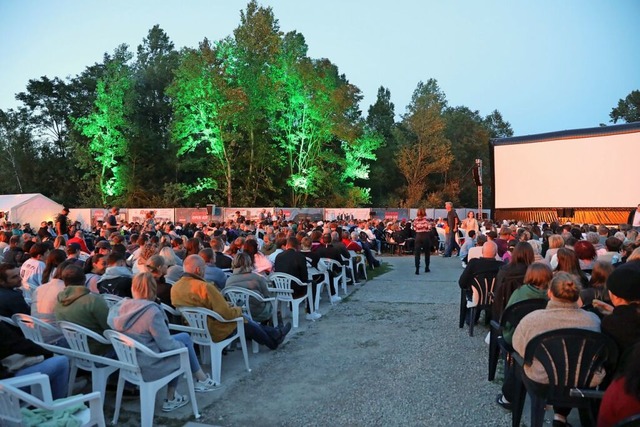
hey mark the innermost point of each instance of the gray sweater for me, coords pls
(145, 322)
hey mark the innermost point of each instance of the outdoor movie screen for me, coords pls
(596, 171)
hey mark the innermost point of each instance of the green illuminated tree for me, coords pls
(206, 105)
(253, 52)
(424, 150)
(107, 126)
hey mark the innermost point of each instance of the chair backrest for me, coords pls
(78, 339)
(484, 283)
(332, 264)
(240, 297)
(571, 356)
(32, 328)
(514, 313)
(197, 317)
(111, 299)
(125, 348)
(282, 285)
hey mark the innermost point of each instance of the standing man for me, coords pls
(423, 240)
(62, 227)
(634, 219)
(450, 228)
(112, 220)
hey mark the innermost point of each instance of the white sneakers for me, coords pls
(313, 316)
(178, 401)
(335, 298)
(206, 385)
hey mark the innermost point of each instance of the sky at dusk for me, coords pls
(545, 65)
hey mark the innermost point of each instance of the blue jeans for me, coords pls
(185, 339)
(265, 335)
(450, 243)
(57, 369)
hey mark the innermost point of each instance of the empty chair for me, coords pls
(126, 348)
(197, 318)
(12, 396)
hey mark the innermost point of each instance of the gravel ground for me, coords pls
(391, 354)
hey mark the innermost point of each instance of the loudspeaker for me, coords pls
(210, 209)
(560, 213)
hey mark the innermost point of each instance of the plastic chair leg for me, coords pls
(147, 405)
(472, 319)
(537, 411)
(494, 353)
(119, 391)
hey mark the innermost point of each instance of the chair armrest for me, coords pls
(586, 393)
(182, 328)
(176, 352)
(27, 380)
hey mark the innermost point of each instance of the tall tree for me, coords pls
(153, 73)
(386, 181)
(206, 106)
(254, 51)
(628, 109)
(18, 149)
(425, 150)
(108, 126)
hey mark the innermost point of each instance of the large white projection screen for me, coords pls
(601, 171)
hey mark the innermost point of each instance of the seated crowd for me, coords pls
(590, 277)
(61, 278)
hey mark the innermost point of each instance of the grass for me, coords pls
(385, 267)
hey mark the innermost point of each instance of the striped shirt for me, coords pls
(421, 225)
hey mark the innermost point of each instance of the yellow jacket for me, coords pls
(192, 291)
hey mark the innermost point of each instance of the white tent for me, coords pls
(29, 208)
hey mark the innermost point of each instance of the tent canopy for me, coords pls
(29, 208)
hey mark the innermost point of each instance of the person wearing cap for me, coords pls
(622, 320)
(62, 227)
(103, 247)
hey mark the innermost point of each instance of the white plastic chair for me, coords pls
(240, 298)
(111, 299)
(126, 348)
(11, 395)
(8, 321)
(357, 260)
(284, 294)
(337, 278)
(32, 328)
(100, 367)
(325, 283)
(197, 317)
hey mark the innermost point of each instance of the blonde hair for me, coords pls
(556, 241)
(144, 286)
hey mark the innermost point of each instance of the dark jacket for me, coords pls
(12, 302)
(478, 266)
(13, 342)
(294, 263)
